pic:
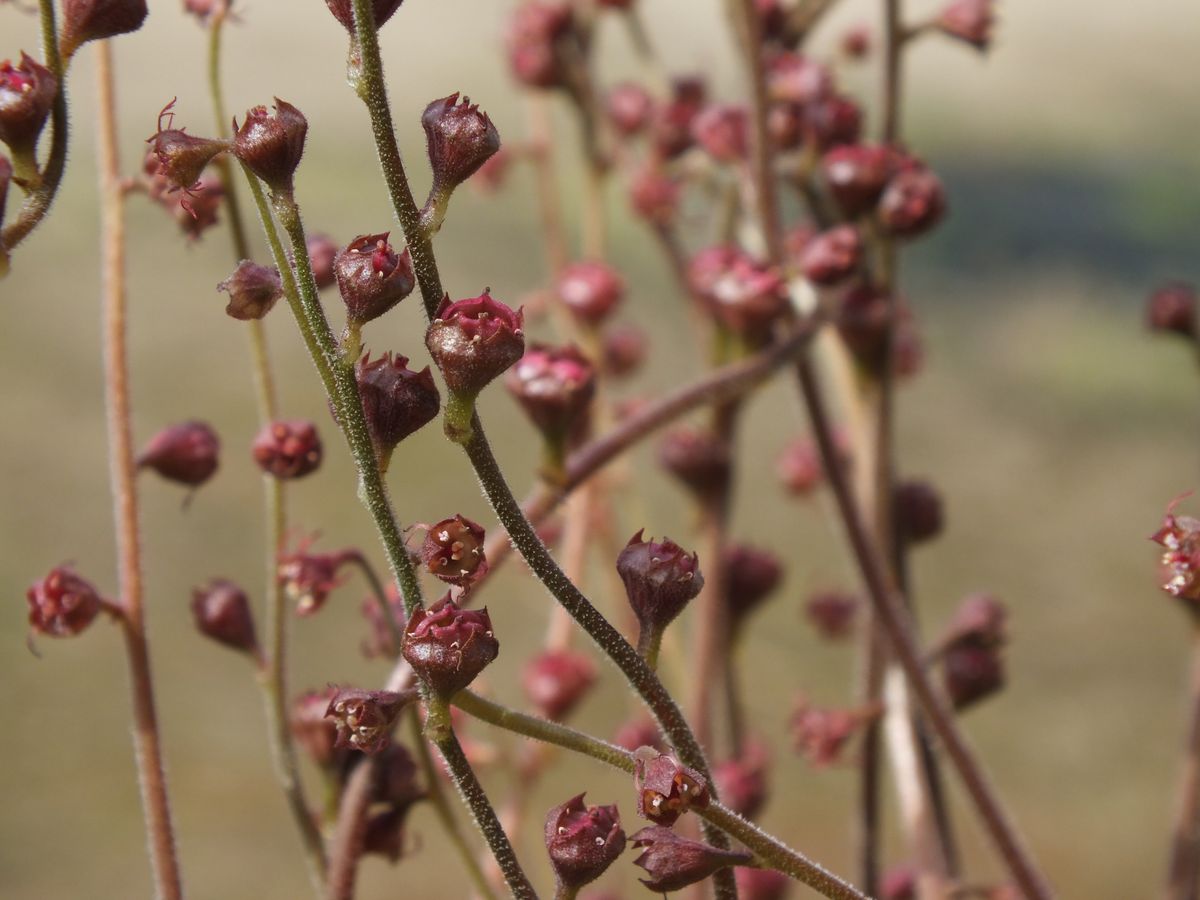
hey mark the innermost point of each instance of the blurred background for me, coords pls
(1055, 425)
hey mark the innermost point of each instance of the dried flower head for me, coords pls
(271, 144)
(674, 862)
(364, 719)
(288, 449)
(448, 646)
(666, 788)
(556, 680)
(459, 139)
(62, 604)
(253, 290)
(186, 453)
(372, 277)
(222, 612)
(582, 841)
(660, 578)
(453, 551)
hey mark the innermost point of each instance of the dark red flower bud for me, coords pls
(95, 20)
(630, 108)
(322, 251)
(475, 340)
(453, 551)
(624, 350)
(912, 203)
(969, 21)
(364, 719)
(1180, 538)
(832, 613)
(27, 92)
(785, 124)
(288, 449)
(222, 612)
(252, 289)
(772, 17)
(381, 11)
(591, 290)
(206, 9)
(314, 733)
(665, 787)
(309, 578)
(62, 604)
(751, 575)
(654, 195)
(741, 782)
(1172, 309)
(181, 156)
(761, 884)
(383, 832)
(186, 453)
(459, 139)
(555, 386)
(396, 400)
(582, 841)
(271, 145)
(640, 731)
(832, 256)
(856, 175)
(862, 321)
(899, 883)
(799, 465)
(971, 672)
(660, 579)
(745, 296)
(672, 126)
(917, 506)
(795, 78)
(556, 680)
(674, 862)
(535, 39)
(447, 646)
(396, 780)
(697, 457)
(372, 277)
(833, 121)
(821, 735)
(723, 132)
(856, 42)
(980, 619)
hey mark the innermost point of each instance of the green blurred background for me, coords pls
(1056, 426)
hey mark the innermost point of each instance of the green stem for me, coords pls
(769, 849)
(439, 730)
(445, 814)
(649, 644)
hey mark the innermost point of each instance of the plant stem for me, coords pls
(772, 851)
(379, 592)
(440, 731)
(890, 612)
(350, 831)
(123, 473)
(1184, 870)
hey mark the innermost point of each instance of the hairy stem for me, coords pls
(350, 831)
(123, 473)
(1183, 873)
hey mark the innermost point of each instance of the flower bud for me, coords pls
(660, 579)
(252, 289)
(821, 735)
(856, 42)
(672, 126)
(555, 386)
(912, 203)
(185, 453)
(1180, 536)
(396, 782)
(832, 256)
(980, 619)
(640, 731)
(582, 841)
(222, 613)
(493, 173)
(372, 277)
(832, 121)
(379, 643)
(745, 296)
(204, 10)
(832, 613)
(383, 834)
(856, 175)
(556, 680)
(459, 139)
(654, 195)
(453, 551)
(309, 578)
(899, 883)
(1172, 309)
(785, 125)
(800, 467)
(314, 733)
(624, 351)
(971, 672)
(535, 39)
(288, 449)
(741, 782)
(27, 92)
(969, 21)
(794, 78)
(591, 290)
(751, 575)
(396, 400)
(181, 157)
(862, 321)
(761, 884)
(674, 862)
(381, 11)
(271, 145)
(62, 604)
(322, 251)
(666, 788)
(698, 458)
(364, 719)
(723, 132)
(629, 108)
(447, 646)
(475, 340)
(917, 507)
(94, 20)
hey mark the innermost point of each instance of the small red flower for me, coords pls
(288, 449)
(453, 551)
(364, 719)
(666, 788)
(309, 578)
(556, 680)
(62, 604)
